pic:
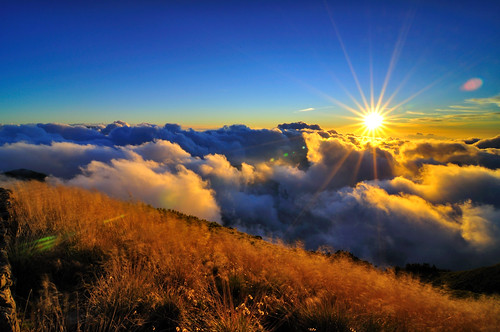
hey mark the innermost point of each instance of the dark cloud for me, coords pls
(388, 200)
(77, 133)
(337, 162)
(238, 142)
(397, 228)
(298, 126)
(471, 140)
(61, 159)
(27, 133)
(489, 143)
(413, 155)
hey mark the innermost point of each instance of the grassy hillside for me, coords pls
(86, 262)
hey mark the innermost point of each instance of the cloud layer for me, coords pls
(390, 201)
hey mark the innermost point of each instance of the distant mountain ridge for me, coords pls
(25, 174)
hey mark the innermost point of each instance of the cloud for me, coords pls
(61, 159)
(391, 201)
(483, 101)
(463, 107)
(489, 143)
(162, 152)
(462, 116)
(458, 113)
(398, 228)
(307, 109)
(237, 142)
(441, 184)
(471, 140)
(298, 126)
(414, 154)
(338, 162)
(147, 181)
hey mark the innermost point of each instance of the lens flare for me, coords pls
(472, 84)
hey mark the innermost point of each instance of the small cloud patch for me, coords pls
(307, 109)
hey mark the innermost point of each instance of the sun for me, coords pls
(373, 121)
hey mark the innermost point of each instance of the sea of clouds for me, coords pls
(427, 200)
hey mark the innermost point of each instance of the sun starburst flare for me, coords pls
(373, 121)
(373, 118)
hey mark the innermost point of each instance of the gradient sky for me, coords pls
(206, 64)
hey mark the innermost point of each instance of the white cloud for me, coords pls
(143, 180)
(307, 109)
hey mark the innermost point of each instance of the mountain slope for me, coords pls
(483, 280)
(86, 262)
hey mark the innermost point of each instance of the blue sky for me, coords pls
(206, 64)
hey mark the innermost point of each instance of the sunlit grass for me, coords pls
(133, 267)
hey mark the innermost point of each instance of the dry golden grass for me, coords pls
(158, 270)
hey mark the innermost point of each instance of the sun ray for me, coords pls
(396, 91)
(372, 101)
(341, 104)
(327, 181)
(373, 117)
(327, 96)
(394, 58)
(357, 166)
(254, 146)
(353, 72)
(387, 157)
(414, 95)
(408, 75)
(339, 83)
